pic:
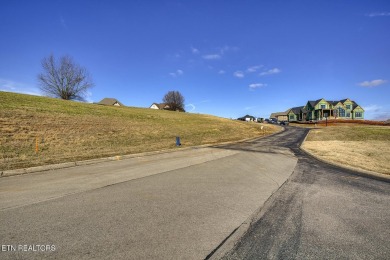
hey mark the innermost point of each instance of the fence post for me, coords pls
(36, 144)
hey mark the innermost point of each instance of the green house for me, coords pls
(321, 109)
(295, 114)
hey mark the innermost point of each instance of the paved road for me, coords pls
(178, 205)
(321, 212)
(196, 204)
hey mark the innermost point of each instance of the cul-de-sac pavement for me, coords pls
(258, 199)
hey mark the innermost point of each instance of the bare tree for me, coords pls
(175, 101)
(64, 79)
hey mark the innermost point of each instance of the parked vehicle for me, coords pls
(273, 121)
(284, 123)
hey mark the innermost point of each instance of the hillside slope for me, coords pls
(39, 130)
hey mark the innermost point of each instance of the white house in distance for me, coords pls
(159, 106)
(248, 118)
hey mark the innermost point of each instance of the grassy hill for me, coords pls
(68, 131)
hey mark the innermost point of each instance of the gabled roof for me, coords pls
(161, 105)
(343, 100)
(333, 103)
(247, 116)
(355, 105)
(110, 102)
(296, 110)
(274, 115)
(314, 103)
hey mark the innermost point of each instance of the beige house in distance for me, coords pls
(280, 116)
(110, 102)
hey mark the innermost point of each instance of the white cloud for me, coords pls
(221, 72)
(226, 48)
(378, 14)
(177, 73)
(7, 84)
(372, 83)
(217, 53)
(270, 72)
(250, 108)
(383, 115)
(18, 87)
(254, 68)
(376, 112)
(192, 107)
(372, 108)
(88, 97)
(194, 50)
(256, 85)
(211, 57)
(239, 74)
(63, 23)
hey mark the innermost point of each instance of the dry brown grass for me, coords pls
(358, 146)
(69, 131)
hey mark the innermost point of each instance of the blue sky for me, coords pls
(228, 58)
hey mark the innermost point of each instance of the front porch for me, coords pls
(319, 114)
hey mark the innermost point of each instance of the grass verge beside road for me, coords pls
(39, 130)
(358, 146)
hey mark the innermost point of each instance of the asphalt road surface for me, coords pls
(262, 199)
(321, 212)
(177, 205)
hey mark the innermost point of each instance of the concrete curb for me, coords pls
(9, 173)
(356, 171)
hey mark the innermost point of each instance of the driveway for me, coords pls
(321, 212)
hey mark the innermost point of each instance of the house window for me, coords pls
(348, 114)
(341, 112)
(323, 106)
(358, 114)
(291, 117)
(348, 107)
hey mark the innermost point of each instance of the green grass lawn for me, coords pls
(68, 131)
